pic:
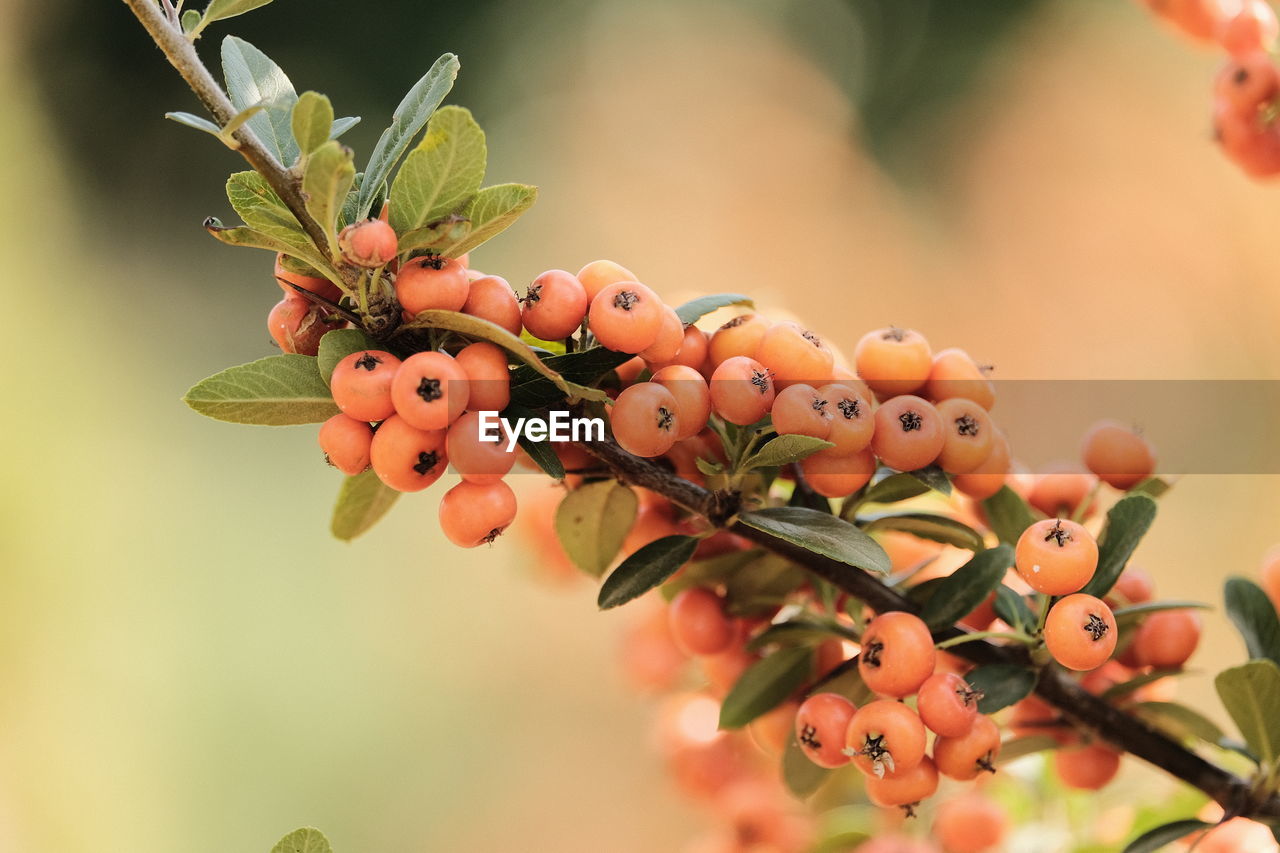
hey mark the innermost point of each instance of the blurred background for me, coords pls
(189, 662)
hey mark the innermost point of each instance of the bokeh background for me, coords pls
(188, 661)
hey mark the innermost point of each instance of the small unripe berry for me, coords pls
(371, 243)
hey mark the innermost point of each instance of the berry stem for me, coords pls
(971, 636)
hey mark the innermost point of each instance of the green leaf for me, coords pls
(329, 175)
(409, 118)
(1162, 836)
(342, 125)
(893, 488)
(312, 121)
(765, 685)
(933, 477)
(802, 777)
(196, 122)
(1254, 616)
(783, 450)
(965, 588)
(820, 533)
(1153, 486)
(1179, 720)
(542, 455)
(278, 390)
(450, 230)
(592, 521)
(441, 173)
(1012, 750)
(695, 309)
(491, 212)
(306, 840)
(362, 501)
(530, 387)
(925, 525)
(645, 569)
(1127, 522)
(337, 345)
(252, 78)
(1013, 609)
(190, 20)
(253, 239)
(763, 582)
(263, 211)
(1134, 612)
(710, 571)
(220, 10)
(1251, 694)
(1001, 684)
(1008, 514)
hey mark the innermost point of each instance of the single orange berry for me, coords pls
(893, 361)
(1080, 632)
(475, 458)
(432, 282)
(554, 306)
(472, 514)
(1167, 638)
(698, 622)
(905, 789)
(406, 458)
(742, 390)
(1118, 455)
(794, 354)
(885, 738)
(370, 243)
(955, 374)
(488, 377)
(430, 390)
(1086, 768)
(692, 396)
(964, 757)
(821, 724)
(626, 317)
(645, 419)
(346, 442)
(838, 476)
(361, 384)
(800, 410)
(737, 337)
(897, 654)
(598, 275)
(491, 298)
(1056, 556)
(908, 433)
(968, 435)
(947, 704)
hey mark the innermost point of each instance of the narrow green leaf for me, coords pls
(196, 122)
(1127, 522)
(822, 534)
(263, 211)
(592, 521)
(1012, 750)
(892, 488)
(965, 588)
(253, 239)
(1153, 486)
(441, 173)
(933, 477)
(409, 118)
(491, 212)
(531, 389)
(278, 390)
(1254, 616)
(645, 569)
(1179, 720)
(1162, 836)
(695, 309)
(765, 685)
(362, 501)
(1008, 514)
(252, 78)
(783, 450)
(342, 125)
(312, 121)
(925, 525)
(220, 10)
(337, 345)
(1013, 609)
(1134, 612)
(1251, 694)
(306, 840)
(1001, 684)
(802, 777)
(329, 175)
(543, 456)
(762, 583)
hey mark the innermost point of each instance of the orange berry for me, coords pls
(478, 461)
(1167, 638)
(698, 622)
(772, 730)
(954, 374)
(1061, 492)
(947, 704)
(897, 654)
(964, 757)
(370, 243)
(908, 433)
(838, 476)
(1199, 19)
(893, 361)
(670, 338)
(968, 435)
(430, 390)
(554, 306)
(432, 282)
(1270, 575)
(491, 298)
(852, 421)
(345, 442)
(907, 788)
(626, 317)
(1136, 585)
(1238, 835)
(1086, 768)
(645, 419)
(488, 379)
(886, 738)
(1252, 30)
(693, 349)
(361, 384)
(970, 823)
(742, 390)
(296, 325)
(472, 514)
(598, 275)
(737, 337)
(821, 724)
(794, 354)
(1080, 632)
(801, 410)
(314, 284)
(692, 396)
(1119, 456)
(406, 458)
(989, 477)
(1056, 556)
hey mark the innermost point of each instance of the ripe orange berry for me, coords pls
(472, 514)
(970, 823)
(989, 477)
(742, 390)
(296, 325)
(692, 396)
(432, 282)
(905, 789)
(554, 306)
(698, 622)
(345, 442)
(794, 354)
(626, 317)
(430, 390)
(838, 476)
(598, 275)
(897, 654)
(1237, 835)
(1034, 716)
(955, 374)
(968, 435)
(737, 337)
(1118, 455)
(1056, 556)
(670, 338)
(314, 284)
(1198, 19)
(771, 731)
(908, 433)
(1086, 768)
(1136, 585)
(1247, 83)
(478, 461)
(645, 419)
(893, 361)
(1167, 638)
(821, 724)
(800, 410)
(852, 421)
(693, 349)
(406, 458)
(1080, 632)
(491, 298)
(966, 756)
(488, 379)
(885, 738)
(1061, 492)
(370, 243)
(361, 384)
(1252, 30)
(947, 704)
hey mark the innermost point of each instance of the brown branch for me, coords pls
(1054, 686)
